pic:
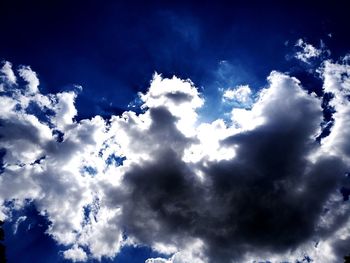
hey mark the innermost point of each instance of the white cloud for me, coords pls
(7, 76)
(193, 253)
(158, 260)
(189, 189)
(241, 95)
(75, 254)
(307, 52)
(208, 146)
(269, 100)
(53, 172)
(64, 109)
(31, 78)
(176, 95)
(337, 82)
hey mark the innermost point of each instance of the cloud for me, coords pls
(7, 75)
(309, 54)
(75, 254)
(307, 51)
(65, 109)
(241, 95)
(261, 188)
(17, 223)
(30, 77)
(193, 253)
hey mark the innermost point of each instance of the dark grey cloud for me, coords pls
(179, 97)
(269, 197)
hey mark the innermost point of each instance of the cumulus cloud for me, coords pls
(242, 95)
(75, 254)
(7, 75)
(30, 77)
(261, 188)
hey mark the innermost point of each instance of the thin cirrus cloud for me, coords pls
(259, 188)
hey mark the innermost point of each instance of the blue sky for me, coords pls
(103, 59)
(119, 45)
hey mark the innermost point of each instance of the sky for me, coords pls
(187, 132)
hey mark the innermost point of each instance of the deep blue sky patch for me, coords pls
(112, 49)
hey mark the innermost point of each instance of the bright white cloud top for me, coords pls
(261, 188)
(241, 94)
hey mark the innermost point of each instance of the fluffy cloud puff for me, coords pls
(259, 188)
(241, 95)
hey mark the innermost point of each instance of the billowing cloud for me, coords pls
(7, 75)
(259, 188)
(30, 77)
